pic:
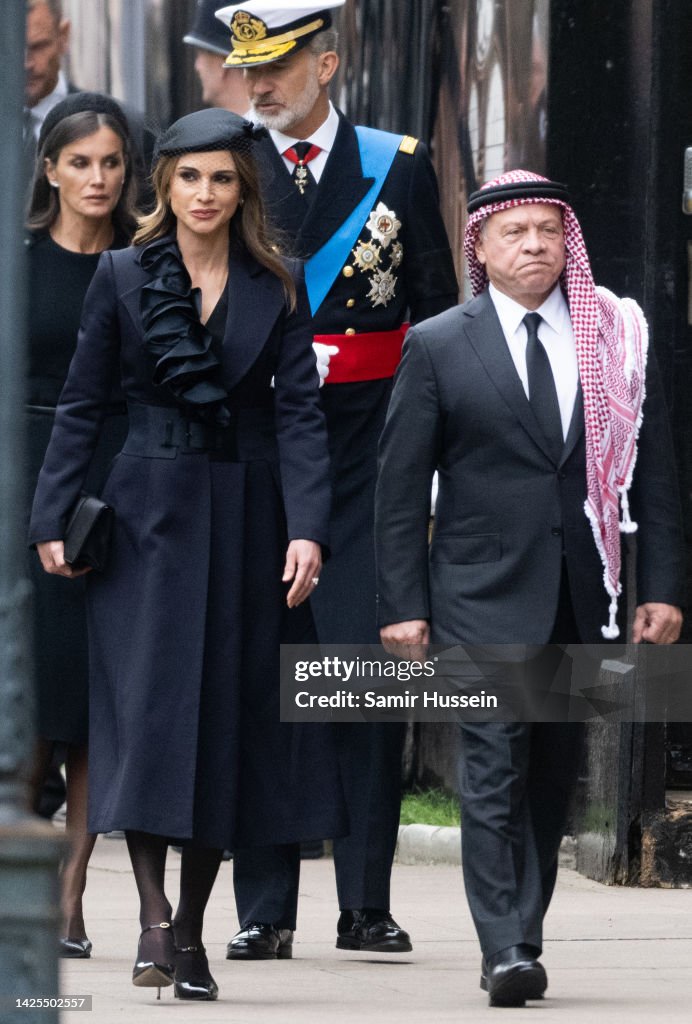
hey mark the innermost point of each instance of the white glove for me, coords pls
(323, 354)
(433, 493)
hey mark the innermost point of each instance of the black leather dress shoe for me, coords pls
(261, 942)
(75, 949)
(512, 976)
(371, 931)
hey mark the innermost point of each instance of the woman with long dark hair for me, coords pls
(82, 204)
(221, 502)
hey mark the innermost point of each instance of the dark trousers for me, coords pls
(370, 763)
(516, 780)
(266, 879)
(515, 785)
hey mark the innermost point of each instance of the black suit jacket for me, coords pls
(506, 512)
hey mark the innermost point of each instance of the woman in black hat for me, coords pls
(221, 501)
(82, 203)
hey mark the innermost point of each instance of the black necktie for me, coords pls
(29, 144)
(542, 392)
(301, 153)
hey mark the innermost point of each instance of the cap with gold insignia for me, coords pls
(207, 32)
(266, 30)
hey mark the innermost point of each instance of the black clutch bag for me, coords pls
(88, 533)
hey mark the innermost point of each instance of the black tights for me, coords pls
(198, 871)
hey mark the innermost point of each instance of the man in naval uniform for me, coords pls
(361, 207)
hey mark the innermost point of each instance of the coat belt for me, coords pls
(161, 432)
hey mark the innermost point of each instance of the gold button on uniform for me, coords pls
(351, 303)
(349, 330)
(348, 271)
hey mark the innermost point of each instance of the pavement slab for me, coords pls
(612, 954)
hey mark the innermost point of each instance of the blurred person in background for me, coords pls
(47, 41)
(221, 87)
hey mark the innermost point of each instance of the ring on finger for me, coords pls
(315, 580)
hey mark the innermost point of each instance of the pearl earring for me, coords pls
(54, 184)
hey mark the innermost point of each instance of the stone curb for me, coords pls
(428, 844)
(436, 844)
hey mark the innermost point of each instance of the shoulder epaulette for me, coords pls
(408, 145)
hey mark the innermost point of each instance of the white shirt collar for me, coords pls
(43, 106)
(324, 136)
(510, 313)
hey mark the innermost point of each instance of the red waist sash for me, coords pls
(369, 356)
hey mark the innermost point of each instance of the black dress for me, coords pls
(59, 281)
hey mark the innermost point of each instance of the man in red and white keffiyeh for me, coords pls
(611, 339)
(536, 404)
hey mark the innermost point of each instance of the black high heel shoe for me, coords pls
(150, 973)
(192, 977)
(75, 949)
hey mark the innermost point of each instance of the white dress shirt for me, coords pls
(324, 138)
(556, 335)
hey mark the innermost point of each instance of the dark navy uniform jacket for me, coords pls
(424, 272)
(378, 288)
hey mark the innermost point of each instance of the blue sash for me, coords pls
(377, 152)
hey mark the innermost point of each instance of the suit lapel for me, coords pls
(484, 331)
(485, 334)
(341, 188)
(255, 300)
(135, 276)
(576, 426)
(286, 206)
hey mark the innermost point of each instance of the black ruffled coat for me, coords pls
(185, 625)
